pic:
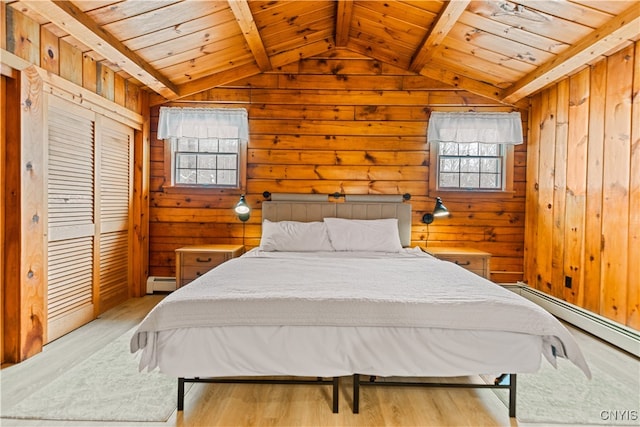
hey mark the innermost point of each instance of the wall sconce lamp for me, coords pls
(242, 209)
(439, 210)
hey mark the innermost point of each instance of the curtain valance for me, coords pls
(494, 128)
(203, 123)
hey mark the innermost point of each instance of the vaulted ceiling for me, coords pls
(503, 50)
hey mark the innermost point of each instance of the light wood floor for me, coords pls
(279, 405)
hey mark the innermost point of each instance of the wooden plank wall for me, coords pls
(583, 202)
(337, 123)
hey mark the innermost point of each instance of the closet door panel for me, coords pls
(70, 217)
(115, 191)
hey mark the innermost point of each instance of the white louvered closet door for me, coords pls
(115, 171)
(89, 189)
(71, 222)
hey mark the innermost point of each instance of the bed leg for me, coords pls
(336, 390)
(356, 393)
(512, 395)
(180, 394)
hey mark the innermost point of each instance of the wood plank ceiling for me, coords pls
(503, 50)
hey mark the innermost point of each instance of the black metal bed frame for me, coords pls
(511, 386)
(335, 381)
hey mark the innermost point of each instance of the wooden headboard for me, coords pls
(306, 211)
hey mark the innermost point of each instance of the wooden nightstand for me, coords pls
(472, 259)
(194, 261)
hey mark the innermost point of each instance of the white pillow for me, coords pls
(294, 236)
(379, 235)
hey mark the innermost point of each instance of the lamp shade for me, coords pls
(439, 210)
(242, 209)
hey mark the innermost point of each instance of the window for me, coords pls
(470, 166)
(204, 146)
(206, 161)
(473, 151)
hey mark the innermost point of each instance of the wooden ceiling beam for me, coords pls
(242, 12)
(456, 80)
(444, 23)
(71, 19)
(344, 12)
(622, 28)
(470, 85)
(205, 83)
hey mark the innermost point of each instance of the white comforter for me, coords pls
(406, 289)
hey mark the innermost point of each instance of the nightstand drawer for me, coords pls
(194, 261)
(192, 272)
(470, 263)
(474, 260)
(204, 259)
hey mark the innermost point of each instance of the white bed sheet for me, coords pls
(333, 314)
(330, 351)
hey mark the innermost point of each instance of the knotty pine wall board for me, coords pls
(576, 182)
(615, 185)
(633, 279)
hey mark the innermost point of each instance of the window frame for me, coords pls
(169, 170)
(434, 174)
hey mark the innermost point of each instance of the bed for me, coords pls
(334, 291)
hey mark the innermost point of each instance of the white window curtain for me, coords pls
(488, 128)
(203, 123)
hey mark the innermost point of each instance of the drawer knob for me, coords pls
(463, 263)
(203, 260)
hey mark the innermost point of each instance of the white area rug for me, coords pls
(105, 387)
(566, 396)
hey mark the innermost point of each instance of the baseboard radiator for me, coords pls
(608, 330)
(160, 284)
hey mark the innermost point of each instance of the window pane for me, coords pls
(208, 146)
(185, 176)
(489, 149)
(227, 162)
(489, 165)
(489, 181)
(228, 145)
(449, 165)
(206, 177)
(469, 180)
(226, 177)
(206, 161)
(448, 149)
(187, 161)
(471, 164)
(449, 180)
(187, 144)
(468, 149)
